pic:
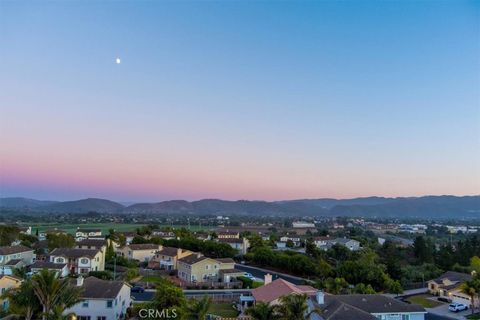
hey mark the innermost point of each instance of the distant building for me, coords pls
(167, 235)
(228, 235)
(303, 224)
(84, 233)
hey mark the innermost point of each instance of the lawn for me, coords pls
(475, 316)
(152, 279)
(224, 310)
(71, 228)
(423, 300)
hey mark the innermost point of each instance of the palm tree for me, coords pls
(470, 289)
(262, 311)
(295, 306)
(198, 309)
(54, 292)
(22, 300)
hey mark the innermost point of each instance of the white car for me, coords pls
(456, 307)
(248, 275)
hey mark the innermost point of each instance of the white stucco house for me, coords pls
(101, 299)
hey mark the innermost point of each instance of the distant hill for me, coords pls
(414, 207)
(19, 202)
(85, 205)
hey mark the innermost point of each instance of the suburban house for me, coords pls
(228, 235)
(272, 291)
(196, 268)
(101, 299)
(321, 241)
(167, 257)
(140, 252)
(98, 244)
(83, 233)
(60, 268)
(13, 256)
(337, 307)
(448, 286)
(363, 307)
(241, 245)
(79, 261)
(352, 245)
(325, 243)
(8, 282)
(227, 272)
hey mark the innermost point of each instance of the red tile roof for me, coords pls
(279, 288)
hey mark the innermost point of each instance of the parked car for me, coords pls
(456, 307)
(443, 299)
(248, 275)
(137, 289)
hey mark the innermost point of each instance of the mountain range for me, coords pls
(418, 207)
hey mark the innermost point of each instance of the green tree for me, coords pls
(262, 311)
(22, 300)
(336, 285)
(54, 292)
(198, 309)
(169, 297)
(294, 306)
(60, 240)
(110, 253)
(471, 289)
(475, 264)
(423, 250)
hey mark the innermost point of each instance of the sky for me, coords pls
(239, 100)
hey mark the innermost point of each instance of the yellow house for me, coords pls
(8, 282)
(141, 252)
(167, 258)
(197, 268)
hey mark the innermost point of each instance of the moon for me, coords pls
(118, 61)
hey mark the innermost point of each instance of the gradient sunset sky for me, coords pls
(239, 100)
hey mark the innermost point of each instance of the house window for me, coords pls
(85, 304)
(84, 260)
(101, 318)
(109, 304)
(83, 318)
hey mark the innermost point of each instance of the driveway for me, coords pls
(443, 311)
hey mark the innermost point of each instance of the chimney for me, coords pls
(79, 281)
(320, 297)
(267, 279)
(179, 252)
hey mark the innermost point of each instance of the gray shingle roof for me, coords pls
(376, 303)
(454, 277)
(13, 249)
(94, 288)
(74, 252)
